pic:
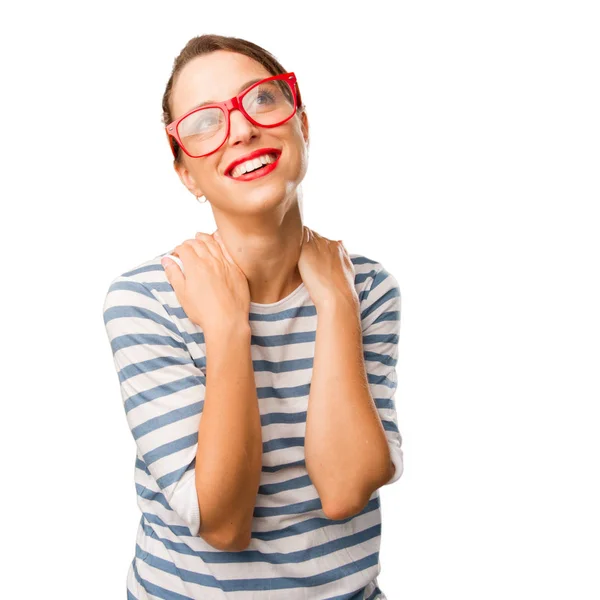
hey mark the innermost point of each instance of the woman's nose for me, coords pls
(240, 129)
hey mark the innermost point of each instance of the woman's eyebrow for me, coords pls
(243, 87)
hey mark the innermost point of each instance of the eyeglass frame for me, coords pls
(172, 129)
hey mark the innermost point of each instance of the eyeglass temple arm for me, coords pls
(171, 141)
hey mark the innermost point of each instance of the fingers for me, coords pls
(190, 250)
(174, 274)
(202, 246)
(320, 243)
(215, 244)
(313, 236)
(317, 238)
(209, 243)
(205, 243)
(306, 235)
(219, 240)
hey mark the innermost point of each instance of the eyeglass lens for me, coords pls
(268, 103)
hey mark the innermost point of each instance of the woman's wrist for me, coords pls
(228, 331)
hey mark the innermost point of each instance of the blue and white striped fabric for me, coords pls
(296, 552)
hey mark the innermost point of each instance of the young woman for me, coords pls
(258, 365)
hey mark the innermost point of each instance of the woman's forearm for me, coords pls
(229, 456)
(347, 455)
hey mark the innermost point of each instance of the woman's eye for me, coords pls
(266, 97)
(208, 123)
(263, 97)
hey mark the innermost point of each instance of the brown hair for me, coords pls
(204, 44)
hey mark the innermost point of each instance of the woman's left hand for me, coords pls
(326, 269)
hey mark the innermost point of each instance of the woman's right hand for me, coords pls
(214, 291)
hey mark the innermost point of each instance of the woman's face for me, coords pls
(219, 76)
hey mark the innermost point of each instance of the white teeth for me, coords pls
(251, 165)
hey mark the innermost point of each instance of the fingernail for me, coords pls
(165, 262)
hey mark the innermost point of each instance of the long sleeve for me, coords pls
(162, 389)
(380, 315)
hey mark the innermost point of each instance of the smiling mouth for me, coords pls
(261, 171)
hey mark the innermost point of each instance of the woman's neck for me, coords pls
(267, 252)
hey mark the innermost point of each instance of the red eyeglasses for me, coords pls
(267, 103)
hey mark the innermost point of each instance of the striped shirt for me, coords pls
(296, 552)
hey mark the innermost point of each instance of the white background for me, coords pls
(455, 142)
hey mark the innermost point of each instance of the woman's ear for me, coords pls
(187, 179)
(304, 126)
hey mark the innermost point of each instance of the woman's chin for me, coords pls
(261, 197)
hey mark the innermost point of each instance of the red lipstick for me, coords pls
(259, 172)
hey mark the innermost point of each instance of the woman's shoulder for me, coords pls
(371, 274)
(362, 262)
(146, 271)
(366, 268)
(147, 278)
(378, 291)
